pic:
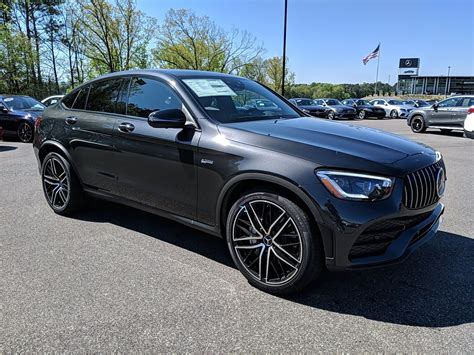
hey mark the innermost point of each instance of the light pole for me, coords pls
(284, 51)
(447, 82)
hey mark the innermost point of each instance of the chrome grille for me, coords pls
(420, 187)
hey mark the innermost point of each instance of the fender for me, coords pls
(277, 180)
(63, 150)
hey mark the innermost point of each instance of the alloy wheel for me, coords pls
(417, 125)
(56, 183)
(393, 114)
(267, 242)
(25, 133)
(331, 115)
(362, 114)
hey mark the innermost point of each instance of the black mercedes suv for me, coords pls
(292, 194)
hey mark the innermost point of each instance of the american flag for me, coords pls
(372, 55)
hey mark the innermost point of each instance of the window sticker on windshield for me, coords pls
(209, 87)
(8, 99)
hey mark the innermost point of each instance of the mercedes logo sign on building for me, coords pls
(408, 63)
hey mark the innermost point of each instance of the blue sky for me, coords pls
(327, 39)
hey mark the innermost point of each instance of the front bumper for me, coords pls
(359, 234)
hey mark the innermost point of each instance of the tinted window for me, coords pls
(81, 99)
(68, 100)
(333, 102)
(395, 102)
(147, 96)
(449, 102)
(103, 95)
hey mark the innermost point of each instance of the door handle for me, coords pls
(71, 119)
(126, 127)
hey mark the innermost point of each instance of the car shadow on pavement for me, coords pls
(6, 148)
(434, 287)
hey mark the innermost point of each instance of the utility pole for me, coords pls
(284, 51)
(377, 74)
(447, 83)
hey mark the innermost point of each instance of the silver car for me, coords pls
(393, 108)
(447, 115)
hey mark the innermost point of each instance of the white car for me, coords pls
(393, 108)
(51, 100)
(469, 123)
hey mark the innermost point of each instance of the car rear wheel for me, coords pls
(393, 114)
(417, 124)
(331, 115)
(25, 132)
(271, 242)
(362, 114)
(61, 186)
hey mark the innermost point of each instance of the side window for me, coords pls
(103, 95)
(68, 100)
(449, 102)
(466, 102)
(148, 95)
(81, 99)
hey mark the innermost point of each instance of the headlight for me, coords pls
(355, 186)
(403, 110)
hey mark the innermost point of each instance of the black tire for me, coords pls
(446, 130)
(361, 115)
(61, 187)
(417, 124)
(274, 275)
(331, 115)
(393, 114)
(25, 132)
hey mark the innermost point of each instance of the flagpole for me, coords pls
(377, 75)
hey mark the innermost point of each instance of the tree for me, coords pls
(112, 34)
(274, 74)
(188, 41)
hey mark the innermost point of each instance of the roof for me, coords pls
(177, 73)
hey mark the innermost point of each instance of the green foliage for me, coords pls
(188, 41)
(337, 91)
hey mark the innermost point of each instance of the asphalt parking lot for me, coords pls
(116, 279)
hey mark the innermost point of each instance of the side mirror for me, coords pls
(386, 104)
(435, 106)
(172, 118)
(354, 105)
(4, 109)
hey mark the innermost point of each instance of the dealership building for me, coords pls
(409, 82)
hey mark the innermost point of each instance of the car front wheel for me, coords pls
(393, 114)
(417, 124)
(331, 115)
(362, 114)
(61, 186)
(271, 242)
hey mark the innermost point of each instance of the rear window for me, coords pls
(81, 99)
(103, 96)
(68, 100)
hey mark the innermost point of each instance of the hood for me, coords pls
(341, 107)
(406, 107)
(335, 145)
(370, 107)
(311, 107)
(28, 113)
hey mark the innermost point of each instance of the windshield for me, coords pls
(229, 100)
(333, 102)
(363, 102)
(305, 102)
(422, 103)
(395, 102)
(23, 103)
